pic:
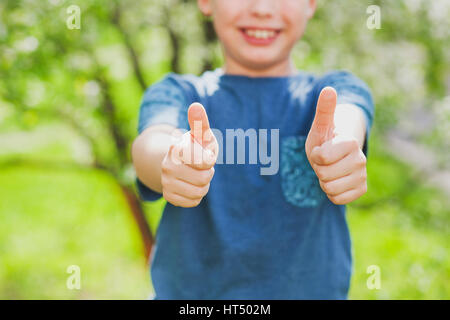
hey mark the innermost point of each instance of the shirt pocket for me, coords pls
(299, 182)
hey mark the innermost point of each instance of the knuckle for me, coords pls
(212, 171)
(320, 173)
(357, 162)
(333, 199)
(205, 177)
(326, 186)
(364, 176)
(193, 203)
(339, 200)
(205, 190)
(323, 156)
(188, 204)
(165, 169)
(353, 142)
(364, 188)
(176, 155)
(198, 192)
(168, 197)
(362, 161)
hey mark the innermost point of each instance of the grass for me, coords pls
(414, 264)
(51, 219)
(402, 226)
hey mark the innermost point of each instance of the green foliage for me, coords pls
(72, 96)
(79, 217)
(403, 227)
(53, 219)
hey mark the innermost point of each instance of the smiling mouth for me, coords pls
(260, 34)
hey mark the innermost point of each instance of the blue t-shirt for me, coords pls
(255, 235)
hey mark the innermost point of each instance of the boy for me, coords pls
(249, 233)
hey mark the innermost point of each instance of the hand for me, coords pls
(188, 166)
(337, 159)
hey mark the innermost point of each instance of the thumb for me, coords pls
(323, 124)
(198, 123)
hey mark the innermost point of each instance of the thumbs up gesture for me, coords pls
(188, 166)
(336, 158)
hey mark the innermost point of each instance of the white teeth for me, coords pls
(260, 34)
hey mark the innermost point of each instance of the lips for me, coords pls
(260, 36)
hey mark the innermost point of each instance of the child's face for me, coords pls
(258, 35)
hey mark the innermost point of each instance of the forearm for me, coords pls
(148, 152)
(350, 120)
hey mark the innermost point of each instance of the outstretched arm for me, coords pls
(334, 149)
(181, 169)
(148, 152)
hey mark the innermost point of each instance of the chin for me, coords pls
(260, 62)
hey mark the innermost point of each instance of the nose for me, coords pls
(263, 8)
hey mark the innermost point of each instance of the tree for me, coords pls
(75, 71)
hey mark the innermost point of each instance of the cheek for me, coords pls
(295, 16)
(224, 33)
(227, 12)
(224, 24)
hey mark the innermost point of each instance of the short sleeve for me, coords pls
(162, 103)
(351, 90)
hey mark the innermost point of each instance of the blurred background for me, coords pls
(69, 101)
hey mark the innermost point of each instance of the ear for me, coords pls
(312, 4)
(205, 7)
